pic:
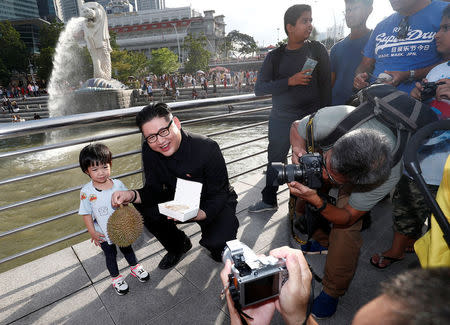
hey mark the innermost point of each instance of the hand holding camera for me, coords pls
(292, 297)
(308, 171)
(429, 90)
(443, 89)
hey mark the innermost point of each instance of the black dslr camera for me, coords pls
(253, 279)
(308, 171)
(429, 90)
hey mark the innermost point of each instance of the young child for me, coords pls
(95, 207)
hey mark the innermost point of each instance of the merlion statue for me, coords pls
(96, 34)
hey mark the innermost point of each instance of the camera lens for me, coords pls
(282, 173)
(294, 173)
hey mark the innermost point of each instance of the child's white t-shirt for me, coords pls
(98, 204)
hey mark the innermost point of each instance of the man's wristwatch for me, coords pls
(324, 205)
(412, 75)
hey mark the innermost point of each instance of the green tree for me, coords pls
(48, 37)
(163, 61)
(282, 42)
(113, 40)
(5, 74)
(226, 47)
(44, 63)
(242, 43)
(198, 56)
(13, 51)
(49, 34)
(125, 64)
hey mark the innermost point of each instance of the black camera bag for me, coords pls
(403, 114)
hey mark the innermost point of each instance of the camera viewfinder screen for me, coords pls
(261, 289)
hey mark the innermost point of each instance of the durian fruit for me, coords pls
(125, 226)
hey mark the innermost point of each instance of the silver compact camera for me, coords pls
(253, 279)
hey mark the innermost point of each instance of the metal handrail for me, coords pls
(32, 127)
(48, 244)
(50, 195)
(116, 135)
(38, 223)
(59, 169)
(36, 126)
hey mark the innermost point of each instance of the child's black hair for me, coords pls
(94, 155)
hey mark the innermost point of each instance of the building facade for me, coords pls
(144, 31)
(28, 17)
(14, 9)
(120, 6)
(150, 5)
(67, 9)
(47, 9)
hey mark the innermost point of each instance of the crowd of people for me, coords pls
(21, 91)
(359, 168)
(200, 83)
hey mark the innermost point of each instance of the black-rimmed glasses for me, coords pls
(164, 132)
(403, 28)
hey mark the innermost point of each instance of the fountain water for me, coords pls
(70, 90)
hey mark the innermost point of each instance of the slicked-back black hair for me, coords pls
(151, 111)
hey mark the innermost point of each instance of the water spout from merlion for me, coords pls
(72, 89)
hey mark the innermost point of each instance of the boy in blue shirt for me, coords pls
(95, 207)
(346, 55)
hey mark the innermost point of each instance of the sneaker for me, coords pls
(261, 206)
(120, 285)
(313, 248)
(324, 306)
(138, 272)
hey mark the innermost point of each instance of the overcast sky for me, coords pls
(262, 18)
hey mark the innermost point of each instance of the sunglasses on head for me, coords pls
(403, 28)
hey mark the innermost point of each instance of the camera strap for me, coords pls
(310, 134)
(311, 295)
(234, 293)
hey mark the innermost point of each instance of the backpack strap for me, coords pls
(401, 120)
(314, 51)
(276, 60)
(357, 117)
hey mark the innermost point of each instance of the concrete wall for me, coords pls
(100, 100)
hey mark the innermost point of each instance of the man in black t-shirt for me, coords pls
(295, 93)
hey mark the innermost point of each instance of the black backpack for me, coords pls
(403, 114)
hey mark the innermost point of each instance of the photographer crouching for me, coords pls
(359, 167)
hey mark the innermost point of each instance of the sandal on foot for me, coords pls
(383, 260)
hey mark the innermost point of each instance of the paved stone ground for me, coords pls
(72, 286)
